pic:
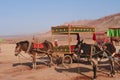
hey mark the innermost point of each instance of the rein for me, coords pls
(96, 53)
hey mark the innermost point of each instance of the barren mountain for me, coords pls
(101, 24)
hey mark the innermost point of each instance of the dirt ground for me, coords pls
(11, 69)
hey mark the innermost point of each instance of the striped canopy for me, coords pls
(113, 32)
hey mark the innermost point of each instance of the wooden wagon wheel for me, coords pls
(67, 59)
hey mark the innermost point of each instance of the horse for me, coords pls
(28, 47)
(94, 52)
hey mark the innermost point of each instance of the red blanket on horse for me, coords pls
(38, 45)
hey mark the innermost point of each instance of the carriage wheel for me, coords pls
(57, 60)
(67, 59)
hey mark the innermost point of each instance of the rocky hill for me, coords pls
(101, 24)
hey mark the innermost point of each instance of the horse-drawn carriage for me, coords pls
(68, 38)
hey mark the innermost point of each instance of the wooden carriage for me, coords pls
(67, 51)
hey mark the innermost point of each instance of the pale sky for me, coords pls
(37, 16)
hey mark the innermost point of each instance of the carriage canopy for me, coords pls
(113, 32)
(71, 29)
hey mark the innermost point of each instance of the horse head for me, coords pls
(17, 49)
(21, 46)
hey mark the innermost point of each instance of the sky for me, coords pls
(38, 16)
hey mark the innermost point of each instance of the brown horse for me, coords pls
(28, 47)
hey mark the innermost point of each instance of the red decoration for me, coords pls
(38, 45)
(94, 36)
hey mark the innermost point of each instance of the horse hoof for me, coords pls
(50, 65)
(112, 75)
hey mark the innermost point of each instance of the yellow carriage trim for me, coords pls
(71, 29)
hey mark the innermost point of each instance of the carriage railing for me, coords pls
(64, 48)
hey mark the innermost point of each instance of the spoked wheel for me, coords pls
(67, 59)
(57, 60)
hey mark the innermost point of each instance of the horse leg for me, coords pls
(94, 70)
(51, 61)
(94, 63)
(78, 61)
(111, 61)
(34, 61)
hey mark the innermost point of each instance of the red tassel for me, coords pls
(94, 36)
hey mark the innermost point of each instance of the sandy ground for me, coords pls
(10, 69)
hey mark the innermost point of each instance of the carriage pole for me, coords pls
(69, 39)
(52, 37)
